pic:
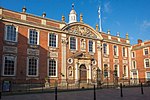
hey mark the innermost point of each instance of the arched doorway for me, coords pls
(83, 73)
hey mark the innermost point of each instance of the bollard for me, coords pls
(142, 92)
(55, 93)
(121, 93)
(94, 93)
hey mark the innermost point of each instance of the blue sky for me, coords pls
(132, 16)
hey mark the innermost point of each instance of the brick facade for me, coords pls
(71, 64)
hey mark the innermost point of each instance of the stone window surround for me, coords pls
(11, 55)
(5, 36)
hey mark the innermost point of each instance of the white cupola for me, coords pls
(72, 15)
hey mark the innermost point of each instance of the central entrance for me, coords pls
(83, 73)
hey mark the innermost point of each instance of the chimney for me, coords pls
(24, 9)
(108, 31)
(139, 41)
(63, 18)
(118, 34)
(44, 15)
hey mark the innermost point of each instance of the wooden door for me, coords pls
(83, 73)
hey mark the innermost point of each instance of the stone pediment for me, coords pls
(83, 30)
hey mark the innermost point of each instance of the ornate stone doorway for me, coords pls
(83, 73)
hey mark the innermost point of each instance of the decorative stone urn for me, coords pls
(47, 85)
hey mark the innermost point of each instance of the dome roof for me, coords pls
(72, 11)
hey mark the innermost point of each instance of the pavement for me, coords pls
(101, 94)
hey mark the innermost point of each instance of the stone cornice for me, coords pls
(141, 47)
(31, 24)
(116, 42)
(32, 15)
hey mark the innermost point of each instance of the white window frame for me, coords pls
(116, 52)
(146, 75)
(89, 46)
(124, 52)
(15, 64)
(56, 68)
(134, 54)
(145, 62)
(76, 43)
(126, 71)
(36, 66)
(93, 51)
(107, 50)
(56, 40)
(38, 38)
(5, 36)
(133, 64)
(118, 70)
(144, 51)
(107, 70)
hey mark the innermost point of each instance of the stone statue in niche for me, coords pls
(83, 44)
(70, 73)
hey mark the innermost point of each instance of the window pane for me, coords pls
(52, 68)
(147, 62)
(52, 40)
(90, 46)
(146, 51)
(115, 70)
(32, 66)
(105, 70)
(105, 48)
(123, 50)
(11, 34)
(33, 37)
(9, 65)
(148, 75)
(115, 50)
(73, 43)
(125, 71)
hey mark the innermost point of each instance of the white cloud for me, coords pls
(145, 25)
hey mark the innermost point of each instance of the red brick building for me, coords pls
(34, 47)
(141, 61)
